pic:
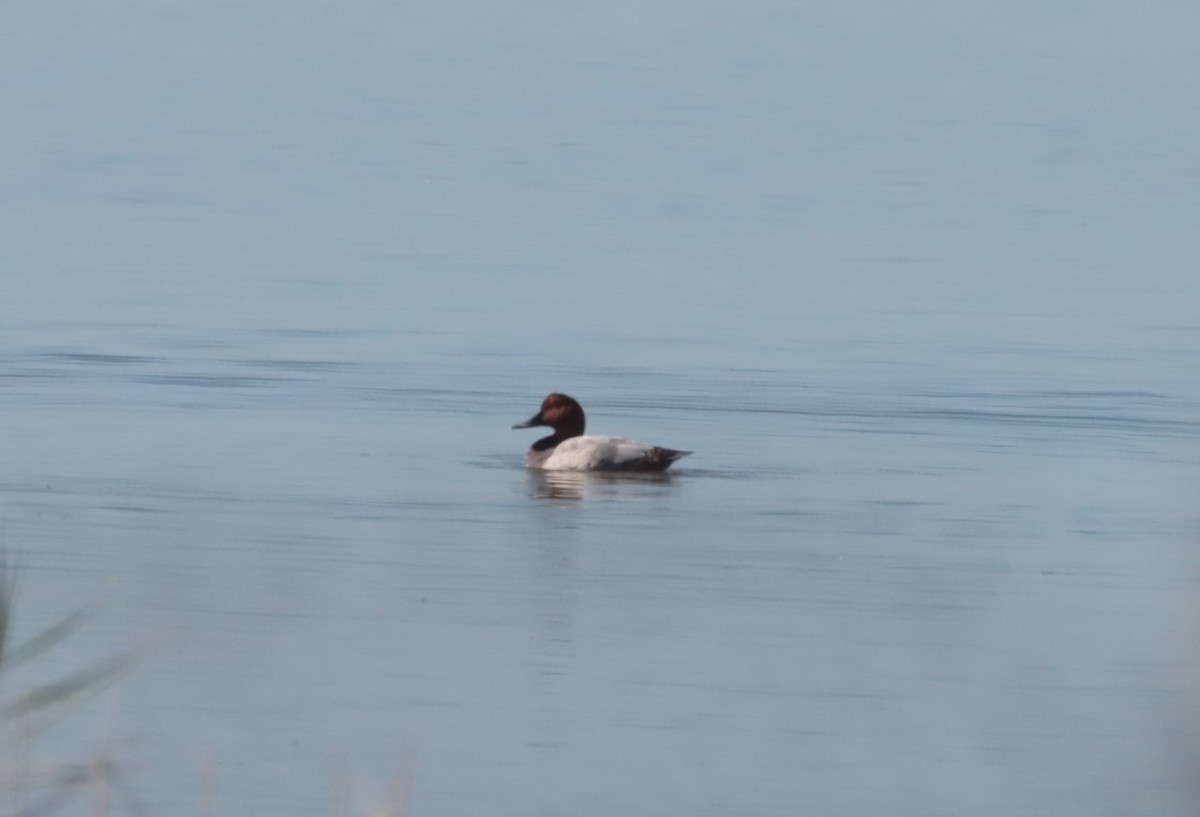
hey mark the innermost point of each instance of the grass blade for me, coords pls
(45, 640)
(89, 679)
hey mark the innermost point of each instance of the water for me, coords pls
(916, 285)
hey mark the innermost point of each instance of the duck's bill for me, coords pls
(535, 420)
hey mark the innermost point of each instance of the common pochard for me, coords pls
(568, 449)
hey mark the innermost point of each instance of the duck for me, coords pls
(569, 449)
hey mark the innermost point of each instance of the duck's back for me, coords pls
(590, 453)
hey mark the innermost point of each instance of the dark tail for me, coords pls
(659, 459)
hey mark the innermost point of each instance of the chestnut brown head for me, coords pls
(561, 413)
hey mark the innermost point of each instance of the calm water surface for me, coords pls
(918, 289)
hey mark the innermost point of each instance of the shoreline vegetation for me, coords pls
(31, 788)
(93, 784)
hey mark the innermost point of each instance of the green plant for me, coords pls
(37, 791)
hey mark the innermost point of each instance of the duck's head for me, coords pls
(561, 413)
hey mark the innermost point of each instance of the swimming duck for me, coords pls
(568, 449)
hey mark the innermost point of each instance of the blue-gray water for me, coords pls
(916, 282)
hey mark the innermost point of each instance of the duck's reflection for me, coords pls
(590, 484)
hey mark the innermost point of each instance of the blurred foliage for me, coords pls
(26, 713)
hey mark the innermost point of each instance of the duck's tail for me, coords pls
(660, 459)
